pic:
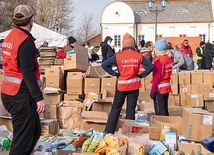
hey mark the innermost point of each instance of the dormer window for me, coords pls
(183, 11)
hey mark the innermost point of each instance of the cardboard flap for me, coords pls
(52, 90)
(197, 111)
(94, 115)
(73, 103)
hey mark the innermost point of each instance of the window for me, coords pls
(159, 35)
(117, 40)
(182, 35)
(202, 37)
(140, 37)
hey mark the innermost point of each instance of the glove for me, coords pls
(153, 95)
(140, 76)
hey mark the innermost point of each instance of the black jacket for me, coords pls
(207, 58)
(106, 50)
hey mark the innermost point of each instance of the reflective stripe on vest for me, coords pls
(164, 85)
(128, 81)
(17, 80)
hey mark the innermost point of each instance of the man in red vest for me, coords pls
(161, 78)
(128, 62)
(21, 94)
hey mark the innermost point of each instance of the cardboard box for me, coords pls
(108, 95)
(195, 123)
(146, 106)
(174, 79)
(196, 77)
(145, 96)
(174, 88)
(184, 77)
(92, 81)
(94, 119)
(176, 111)
(208, 77)
(129, 127)
(185, 89)
(195, 88)
(102, 105)
(55, 82)
(143, 88)
(183, 100)
(175, 123)
(174, 99)
(53, 98)
(74, 83)
(148, 79)
(51, 111)
(208, 93)
(54, 72)
(209, 106)
(195, 100)
(78, 60)
(108, 83)
(49, 127)
(204, 85)
(70, 97)
(189, 147)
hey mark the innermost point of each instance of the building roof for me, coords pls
(175, 11)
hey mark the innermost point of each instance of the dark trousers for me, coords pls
(118, 102)
(25, 120)
(161, 104)
(199, 63)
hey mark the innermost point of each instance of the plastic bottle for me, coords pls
(5, 143)
(164, 130)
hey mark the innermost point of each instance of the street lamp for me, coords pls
(57, 25)
(156, 11)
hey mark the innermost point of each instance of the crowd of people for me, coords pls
(23, 99)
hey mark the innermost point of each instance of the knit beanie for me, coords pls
(160, 44)
(71, 40)
(128, 41)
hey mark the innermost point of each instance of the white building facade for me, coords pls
(180, 19)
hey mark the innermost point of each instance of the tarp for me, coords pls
(42, 34)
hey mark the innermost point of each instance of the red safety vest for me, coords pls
(164, 86)
(128, 63)
(12, 73)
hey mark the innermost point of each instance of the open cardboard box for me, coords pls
(94, 119)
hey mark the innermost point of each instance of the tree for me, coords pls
(50, 11)
(47, 13)
(85, 30)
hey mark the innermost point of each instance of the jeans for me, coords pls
(191, 66)
(118, 102)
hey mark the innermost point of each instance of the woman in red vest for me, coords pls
(161, 78)
(128, 62)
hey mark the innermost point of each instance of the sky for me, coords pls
(93, 7)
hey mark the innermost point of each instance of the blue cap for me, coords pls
(160, 44)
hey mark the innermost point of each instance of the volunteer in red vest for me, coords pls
(62, 53)
(161, 78)
(128, 62)
(20, 92)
